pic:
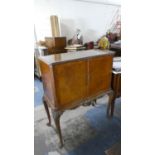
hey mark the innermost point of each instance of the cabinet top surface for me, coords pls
(70, 56)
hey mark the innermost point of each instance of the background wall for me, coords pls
(94, 19)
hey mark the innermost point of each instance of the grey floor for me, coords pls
(85, 130)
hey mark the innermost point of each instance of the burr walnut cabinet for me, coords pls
(75, 78)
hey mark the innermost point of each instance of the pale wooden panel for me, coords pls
(55, 26)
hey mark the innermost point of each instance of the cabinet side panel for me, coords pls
(47, 82)
(100, 70)
(70, 82)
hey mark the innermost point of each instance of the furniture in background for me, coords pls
(117, 48)
(73, 79)
(75, 47)
(91, 45)
(38, 51)
(115, 43)
(116, 81)
(55, 45)
(79, 47)
(55, 26)
(116, 86)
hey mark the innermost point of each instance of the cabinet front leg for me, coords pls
(56, 116)
(47, 112)
(110, 109)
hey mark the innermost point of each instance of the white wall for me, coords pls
(93, 19)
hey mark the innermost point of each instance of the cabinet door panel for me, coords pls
(99, 74)
(70, 82)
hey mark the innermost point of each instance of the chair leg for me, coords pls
(47, 112)
(56, 116)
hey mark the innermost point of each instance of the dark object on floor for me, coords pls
(73, 79)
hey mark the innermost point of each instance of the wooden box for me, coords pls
(55, 45)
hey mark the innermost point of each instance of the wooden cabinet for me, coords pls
(71, 79)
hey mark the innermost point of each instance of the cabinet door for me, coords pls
(100, 69)
(70, 82)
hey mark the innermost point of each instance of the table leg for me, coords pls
(47, 112)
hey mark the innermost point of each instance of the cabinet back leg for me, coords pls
(110, 108)
(47, 112)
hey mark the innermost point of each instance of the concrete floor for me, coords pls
(85, 130)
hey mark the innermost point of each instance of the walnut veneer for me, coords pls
(72, 79)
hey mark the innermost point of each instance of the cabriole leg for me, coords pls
(56, 116)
